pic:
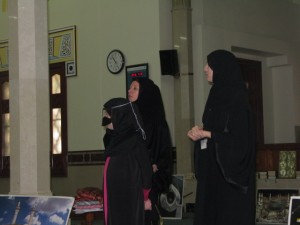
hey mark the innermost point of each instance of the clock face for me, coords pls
(115, 61)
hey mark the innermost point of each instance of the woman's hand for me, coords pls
(154, 168)
(148, 204)
(197, 133)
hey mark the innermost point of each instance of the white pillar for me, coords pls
(29, 97)
(184, 99)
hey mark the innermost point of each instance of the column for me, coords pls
(184, 99)
(29, 97)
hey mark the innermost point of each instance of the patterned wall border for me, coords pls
(94, 157)
(84, 158)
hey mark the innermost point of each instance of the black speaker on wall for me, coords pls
(169, 62)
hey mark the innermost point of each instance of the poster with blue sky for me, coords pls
(35, 210)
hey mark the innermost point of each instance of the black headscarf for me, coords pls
(149, 100)
(228, 90)
(126, 122)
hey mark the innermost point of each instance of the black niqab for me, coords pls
(126, 120)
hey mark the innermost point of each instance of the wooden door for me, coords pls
(251, 71)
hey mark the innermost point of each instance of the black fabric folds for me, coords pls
(159, 142)
(127, 171)
(126, 121)
(226, 169)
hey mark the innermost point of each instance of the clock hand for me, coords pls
(114, 60)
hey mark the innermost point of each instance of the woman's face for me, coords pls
(209, 73)
(133, 92)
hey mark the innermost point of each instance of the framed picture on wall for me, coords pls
(4, 55)
(62, 48)
(287, 164)
(133, 71)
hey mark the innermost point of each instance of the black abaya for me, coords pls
(225, 170)
(127, 175)
(127, 171)
(159, 142)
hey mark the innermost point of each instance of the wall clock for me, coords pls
(115, 61)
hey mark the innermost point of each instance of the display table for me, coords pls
(88, 208)
(88, 202)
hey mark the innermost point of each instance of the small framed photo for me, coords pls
(294, 211)
(70, 68)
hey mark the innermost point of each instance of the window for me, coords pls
(4, 124)
(58, 122)
(58, 118)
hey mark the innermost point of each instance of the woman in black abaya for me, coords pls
(146, 95)
(225, 148)
(127, 170)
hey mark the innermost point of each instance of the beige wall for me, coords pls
(78, 177)
(131, 26)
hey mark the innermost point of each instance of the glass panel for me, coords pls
(56, 135)
(6, 134)
(56, 84)
(5, 91)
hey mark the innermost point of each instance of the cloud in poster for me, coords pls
(56, 219)
(35, 210)
(49, 206)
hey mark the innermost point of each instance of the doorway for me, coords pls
(252, 75)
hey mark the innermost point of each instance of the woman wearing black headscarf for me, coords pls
(225, 148)
(146, 95)
(127, 170)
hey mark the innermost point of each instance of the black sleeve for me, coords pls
(143, 160)
(235, 147)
